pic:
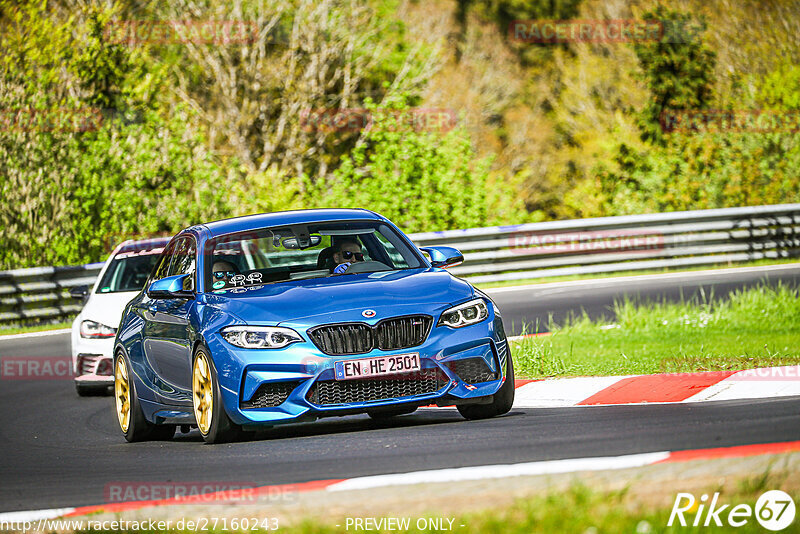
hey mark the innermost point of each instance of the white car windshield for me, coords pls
(128, 271)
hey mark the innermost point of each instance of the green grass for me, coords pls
(759, 327)
(21, 329)
(569, 278)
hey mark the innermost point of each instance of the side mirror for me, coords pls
(79, 292)
(170, 287)
(444, 257)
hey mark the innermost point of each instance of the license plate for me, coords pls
(380, 366)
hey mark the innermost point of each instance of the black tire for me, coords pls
(92, 391)
(222, 429)
(380, 415)
(503, 399)
(139, 428)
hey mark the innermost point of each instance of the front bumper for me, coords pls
(92, 361)
(267, 387)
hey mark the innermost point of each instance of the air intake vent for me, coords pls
(90, 364)
(270, 395)
(327, 392)
(472, 370)
(359, 338)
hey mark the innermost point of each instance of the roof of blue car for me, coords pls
(281, 218)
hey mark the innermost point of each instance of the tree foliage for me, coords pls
(87, 157)
(707, 167)
(419, 179)
(307, 57)
(678, 69)
(102, 139)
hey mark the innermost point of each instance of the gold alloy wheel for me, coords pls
(122, 394)
(203, 396)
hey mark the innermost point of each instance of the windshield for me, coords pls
(128, 271)
(274, 255)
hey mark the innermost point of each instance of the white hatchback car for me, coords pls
(121, 278)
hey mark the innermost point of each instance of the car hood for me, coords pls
(344, 298)
(107, 308)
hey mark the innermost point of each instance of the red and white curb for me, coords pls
(460, 474)
(768, 382)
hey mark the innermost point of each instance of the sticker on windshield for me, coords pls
(218, 284)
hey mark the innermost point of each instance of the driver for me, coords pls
(347, 252)
(223, 271)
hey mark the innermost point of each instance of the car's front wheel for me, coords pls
(503, 399)
(214, 424)
(130, 417)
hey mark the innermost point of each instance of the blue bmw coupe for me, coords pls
(284, 317)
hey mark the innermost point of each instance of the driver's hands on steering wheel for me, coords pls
(341, 268)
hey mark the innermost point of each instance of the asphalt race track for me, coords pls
(59, 450)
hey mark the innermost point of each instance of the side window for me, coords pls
(183, 261)
(163, 264)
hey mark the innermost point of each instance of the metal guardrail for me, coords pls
(520, 252)
(631, 242)
(43, 292)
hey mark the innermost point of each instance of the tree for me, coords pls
(679, 69)
(87, 155)
(307, 56)
(422, 180)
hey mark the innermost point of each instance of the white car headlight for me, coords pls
(93, 329)
(260, 337)
(465, 314)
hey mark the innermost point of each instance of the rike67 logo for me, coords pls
(774, 510)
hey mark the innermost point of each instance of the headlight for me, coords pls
(487, 297)
(92, 329)
(260, 337)
(465, 314)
